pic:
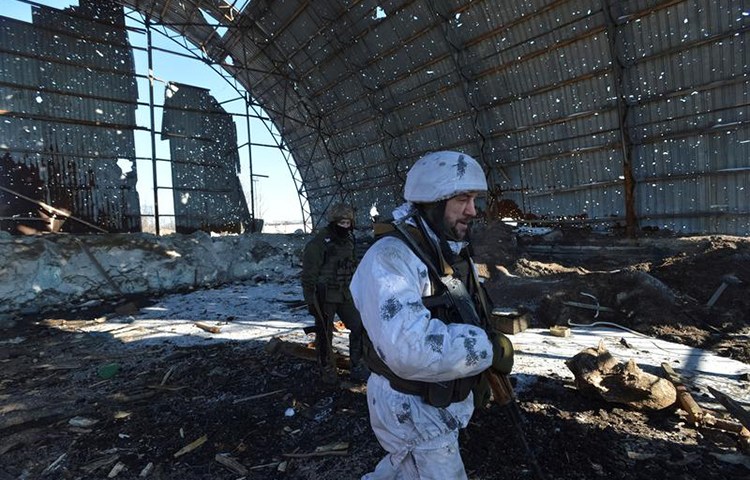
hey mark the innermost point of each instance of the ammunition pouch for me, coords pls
(344, 271)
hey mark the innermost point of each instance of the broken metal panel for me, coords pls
(533, 89)
(205, 162)
(18, 179)
(686, 192)
(70, 95)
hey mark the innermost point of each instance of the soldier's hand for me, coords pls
(502, 353)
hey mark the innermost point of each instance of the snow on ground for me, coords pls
(259, 312)
(539, 353)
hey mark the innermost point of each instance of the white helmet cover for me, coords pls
(441, 175)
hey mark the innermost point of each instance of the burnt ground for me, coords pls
(232, 398)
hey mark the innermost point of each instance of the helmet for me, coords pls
(441, 175)
(339, 212)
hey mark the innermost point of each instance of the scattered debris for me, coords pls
(265, 465)
(82, 422)
(207, 328)
(726, 280)
(509, 320)
(732, 407)
(337, 448)
(684, 398)
(559, 331)
(119, 467)
(599, 374)
(697, 416)
(100, 462)
(231, 463)
(191, 446)
(255, 397)
(147, 470)
(54, 465)
(233, 392)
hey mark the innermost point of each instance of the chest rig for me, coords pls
(457, 298)
(338, 267)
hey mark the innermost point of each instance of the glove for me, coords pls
(502, 353)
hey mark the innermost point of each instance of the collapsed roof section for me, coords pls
(632, 114)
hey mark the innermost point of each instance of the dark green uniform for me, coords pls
(328, 264)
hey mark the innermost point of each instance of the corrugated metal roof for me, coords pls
(564, 101)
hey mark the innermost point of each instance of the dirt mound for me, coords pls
(657, 286)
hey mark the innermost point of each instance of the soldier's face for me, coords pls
(459, 211)
(344, 223)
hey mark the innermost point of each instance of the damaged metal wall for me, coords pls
(615, 113)
(601, 111)
(67, 95)
(642, 102)
(205, 162)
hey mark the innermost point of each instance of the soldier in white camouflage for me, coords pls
(422, 307)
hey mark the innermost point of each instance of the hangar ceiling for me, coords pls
(630, 114)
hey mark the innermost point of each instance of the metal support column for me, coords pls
(253, 226)
(631, 220)
(153, 122)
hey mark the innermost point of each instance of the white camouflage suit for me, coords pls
(421, 440)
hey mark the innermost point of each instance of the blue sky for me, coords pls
(276, 196)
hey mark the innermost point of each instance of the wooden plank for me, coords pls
(207, 328)
(277, 345)
(696, 414)
(686, 401)
(732, 406)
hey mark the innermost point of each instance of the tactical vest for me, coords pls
(451, 302)
(337, 269)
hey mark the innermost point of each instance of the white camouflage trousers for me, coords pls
(421, 440)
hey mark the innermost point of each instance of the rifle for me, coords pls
(502, 393)
(502, 390)
(321, 326)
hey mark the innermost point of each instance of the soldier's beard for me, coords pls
(454, 234)
(434, 214)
